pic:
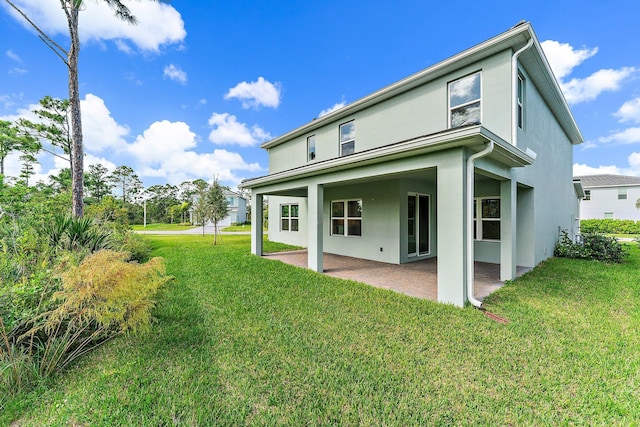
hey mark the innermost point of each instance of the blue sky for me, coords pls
(196, 86)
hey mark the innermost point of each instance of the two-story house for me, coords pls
(610, 197)
(467, 160)
(237, 206)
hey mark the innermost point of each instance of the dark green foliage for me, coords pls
(593, 246)
(610, 226)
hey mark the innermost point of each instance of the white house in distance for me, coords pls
(467, 160)
(609, 197)
(237, 209)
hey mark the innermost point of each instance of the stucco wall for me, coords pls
(606, 200)
(551, 175)
(421, 111)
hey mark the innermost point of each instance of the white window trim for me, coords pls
(466, 103)
(343, 143)
(289, 218)
(309, 153)
(478, 219)
(623, 192)
(346, 217)
(520, 100)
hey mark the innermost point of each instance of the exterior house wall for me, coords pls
(605, 199)
(420, 111)
(296, 238)
(552, 169)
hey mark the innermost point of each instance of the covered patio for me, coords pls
(417, 279)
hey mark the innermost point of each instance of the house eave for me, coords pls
(513, 39)
(473, 137)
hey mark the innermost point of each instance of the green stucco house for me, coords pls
(467, 160)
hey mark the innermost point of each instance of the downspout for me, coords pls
(470, 252)
(470, 174)
(514, 91)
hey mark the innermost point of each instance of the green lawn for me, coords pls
(162, 227)
(242, 340)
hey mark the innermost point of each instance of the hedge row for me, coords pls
(610, 226)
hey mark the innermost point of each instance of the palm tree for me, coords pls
(70, 58)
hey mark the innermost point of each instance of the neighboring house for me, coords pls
(469, 159)
(609, 196)
(237, 209)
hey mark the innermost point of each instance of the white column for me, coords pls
(315, 198)
(256, 224)
(508, 229)
(451, 229)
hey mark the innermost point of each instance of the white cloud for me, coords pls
(256, 94)
(563, 58)
(100, 130)
(12, 55)
(175, 73)
(227, 130)
(18, 71)
(165, 150)
(158, 22)
(336, 106)
(629, 111)
(587, 89)
(627, 136)
(582, 169)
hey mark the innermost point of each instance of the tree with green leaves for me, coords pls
(11, 139)
(53, 127)
(97, 182)
(124, 178)
(70, 56)
(219, 205)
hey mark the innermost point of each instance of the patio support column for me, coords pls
(451, 229)
(256, 224)
(315, 198)
(508, 229)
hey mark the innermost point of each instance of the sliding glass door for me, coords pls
(418, 224)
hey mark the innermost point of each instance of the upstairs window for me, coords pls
(464, 101)
(520, 101)
(622, 194)
(348, 138)
(311, 148)
(289, 217)
(587, 195)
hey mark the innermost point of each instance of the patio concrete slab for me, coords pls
(417, 279)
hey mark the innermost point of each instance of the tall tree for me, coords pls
(97, 182)
(219, 205)
(53, 127)
(126, 181)
(11, 139)
(70, 56)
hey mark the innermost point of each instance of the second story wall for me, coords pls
(420, 111)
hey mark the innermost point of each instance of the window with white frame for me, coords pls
(622, 194)
(587, 195)
(311, 148)
(608, 215)
(346, 218)
(486, 218)
(520, 101)
(464, 101)
(348, 138)
(289, 217)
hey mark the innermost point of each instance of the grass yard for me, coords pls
(162, 227)
(241, 340)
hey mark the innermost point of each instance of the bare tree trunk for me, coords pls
(77, 162)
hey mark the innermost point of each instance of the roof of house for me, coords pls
(607, 180)
(516, 37)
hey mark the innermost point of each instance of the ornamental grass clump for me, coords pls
(100, 298)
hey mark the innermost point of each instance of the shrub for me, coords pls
(593, 246)
(610, 226)
(98, 299)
